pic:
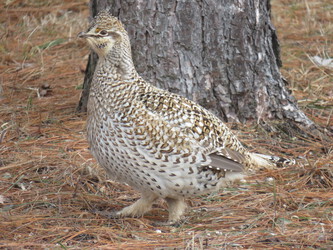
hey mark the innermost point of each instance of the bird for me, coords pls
(159, 143)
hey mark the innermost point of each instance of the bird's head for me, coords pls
(105, 32)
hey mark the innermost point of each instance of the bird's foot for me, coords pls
(137, 209)
(177, 223)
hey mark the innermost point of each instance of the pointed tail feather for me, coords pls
(268, 161)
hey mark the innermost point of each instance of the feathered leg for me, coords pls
(176, 208)
(139, 208)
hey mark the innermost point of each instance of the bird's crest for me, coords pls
(104, 20)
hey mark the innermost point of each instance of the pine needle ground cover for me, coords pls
(50, 184)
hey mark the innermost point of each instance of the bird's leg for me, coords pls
(176, 208)
(139, 208)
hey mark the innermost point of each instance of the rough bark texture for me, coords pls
(222, 54)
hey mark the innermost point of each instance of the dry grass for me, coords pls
(49, 182)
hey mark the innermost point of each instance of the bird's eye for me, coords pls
(103, 32)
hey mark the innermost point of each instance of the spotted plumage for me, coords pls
(160, 143)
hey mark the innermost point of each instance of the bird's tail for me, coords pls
(268, 161)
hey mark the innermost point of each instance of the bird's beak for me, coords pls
(82, 35)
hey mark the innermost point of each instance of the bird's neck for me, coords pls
(118, 65)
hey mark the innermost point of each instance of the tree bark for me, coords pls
(224, 55)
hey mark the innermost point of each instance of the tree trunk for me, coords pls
(223, 55)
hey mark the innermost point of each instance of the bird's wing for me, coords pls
(230, 160)
(202, 127)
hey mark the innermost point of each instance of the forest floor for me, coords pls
(49, 182)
